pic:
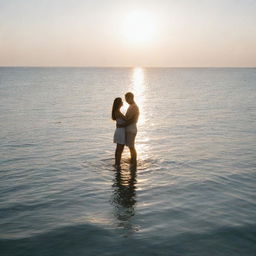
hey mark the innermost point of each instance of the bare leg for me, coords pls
(118, 154)
(133, 155)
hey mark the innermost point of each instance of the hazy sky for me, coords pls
(94, 33)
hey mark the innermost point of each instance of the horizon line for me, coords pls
(21, 66)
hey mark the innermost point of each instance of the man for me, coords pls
(132, 116)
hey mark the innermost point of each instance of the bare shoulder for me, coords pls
(134, 111)
(135, 108)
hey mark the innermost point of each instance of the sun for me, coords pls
(138, 27)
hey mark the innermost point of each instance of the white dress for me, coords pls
(119, 136)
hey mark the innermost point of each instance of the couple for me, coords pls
(126, 128)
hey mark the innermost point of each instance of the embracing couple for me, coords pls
(126, 128)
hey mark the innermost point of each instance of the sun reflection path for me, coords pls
(138, 88)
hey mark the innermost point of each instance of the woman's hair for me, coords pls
(116, 106)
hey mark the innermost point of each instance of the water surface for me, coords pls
(194, 189)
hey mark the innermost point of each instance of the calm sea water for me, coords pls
(194, 190)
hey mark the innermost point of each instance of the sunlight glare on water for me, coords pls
(138, 87)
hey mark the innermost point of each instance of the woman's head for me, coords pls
(117, 104)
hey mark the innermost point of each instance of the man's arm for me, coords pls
(130, 117)
(128, 122)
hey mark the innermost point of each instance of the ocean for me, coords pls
(193, 192)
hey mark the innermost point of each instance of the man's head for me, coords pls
(129, 97)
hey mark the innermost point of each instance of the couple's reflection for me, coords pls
(124, 198)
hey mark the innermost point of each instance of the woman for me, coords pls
(119, 136)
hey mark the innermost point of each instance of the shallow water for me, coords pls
(194, 189)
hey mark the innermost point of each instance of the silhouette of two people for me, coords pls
(126, 128)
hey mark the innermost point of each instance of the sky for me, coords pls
(159, 33)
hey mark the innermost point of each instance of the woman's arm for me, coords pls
(120, 115)
(128, 120)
